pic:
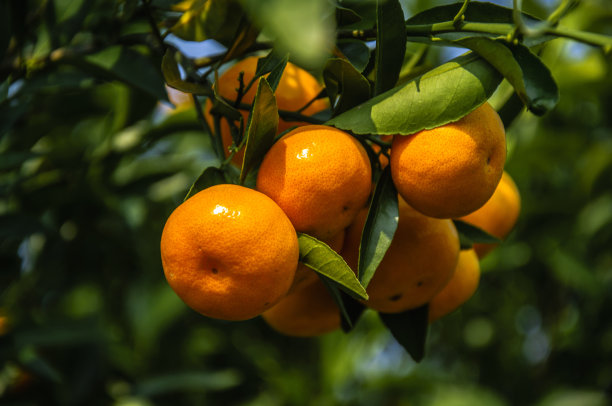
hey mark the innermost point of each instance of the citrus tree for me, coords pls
(343, 169)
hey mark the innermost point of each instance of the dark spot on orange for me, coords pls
(420, 283)
(396, 297)
(345, 208)
(488, 159)
(215, 271)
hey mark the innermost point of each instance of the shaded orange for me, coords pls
(419, 262)
(320, 176)
(459, 289)
(229, 252)
(307, 312)
(498, 215)
(295, 89)
(451, 170)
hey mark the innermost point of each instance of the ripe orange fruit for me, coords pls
(451, 170)
(307, 312)
(229, 252)
(295, 89)
(305, 275)
(320, 176)
(459, 289)
(498, 215)
(419, 262)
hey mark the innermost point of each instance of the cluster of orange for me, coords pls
(231, 252)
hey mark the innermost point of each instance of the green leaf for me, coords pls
(440, 96)
(304, 29)
(526, 72)
(469, 235)
(128, 66)
(209, 19)
(356, 51)
(345, 86)
(318, 256)
(274, 65)
(69, 17)
(379, 228)
(409, 328)
(209, 177)
(346, 16)
(350, 309)
(261, 128)
(390, 44)
(173, 78)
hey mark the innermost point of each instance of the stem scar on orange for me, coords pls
(229, 252)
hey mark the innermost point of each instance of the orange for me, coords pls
(498, 215)
(459, 289)
(307, 312)
(451, 170)
(295, 89)
(320, 176)
(419, 262)
(305, 275)
(229, 252)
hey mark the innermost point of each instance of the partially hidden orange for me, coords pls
(306, 312)
(296, 88)
(229, 252)
(451, 170)
(320, 176)
(419, 262)
(498, 215)
(459, 289)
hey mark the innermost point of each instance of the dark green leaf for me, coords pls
(318, 256)
(69, 16)
(261, 128)
(356, 51)
(476, 12)
(129, 66)
(346, 16)
(390, 44)
(274, 65)
(525, 71)
(511, 110)
(542, 93)
(409, 328)
(379, 227)
(345, 86)
(440, 96)
(209, 177)
(210, 19)
(173, 78)
(482, 12)
(469, 235)
(350, 309)
(4, 88)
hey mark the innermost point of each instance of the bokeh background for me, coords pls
(92, 164)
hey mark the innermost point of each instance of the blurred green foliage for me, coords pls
(92, 163)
